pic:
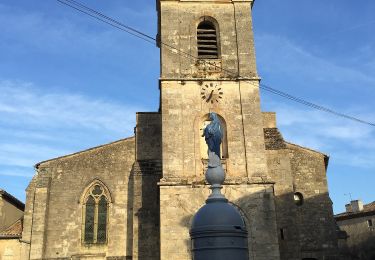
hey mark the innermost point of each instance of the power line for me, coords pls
(110, 21)
(107, 18)
(139, 34)
(312, 105)
(104, 20)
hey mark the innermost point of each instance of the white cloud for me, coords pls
(37, 126)
(358, 159)
(347, 142)
(279, 54)
(68, 30)
(19, 173)
(27, 154)
(25, 105)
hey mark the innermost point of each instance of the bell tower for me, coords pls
(208, 65)
(217, 32)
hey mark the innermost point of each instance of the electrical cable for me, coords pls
(110, 21)
(104, 21)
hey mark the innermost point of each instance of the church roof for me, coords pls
(83, 151)
(307, 149)
(326, 157)
(275, 141)
(368, 210)
(13, 231)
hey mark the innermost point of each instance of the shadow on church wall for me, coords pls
(363, 250)
(305, 225)
(143, 236)
(129, 212)
(277, 223)
(143, 194)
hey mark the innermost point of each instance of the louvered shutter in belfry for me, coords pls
(207, 41)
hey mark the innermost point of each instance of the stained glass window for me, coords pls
(89, 220)
(97, 190)
(96, 215)
(102, 220)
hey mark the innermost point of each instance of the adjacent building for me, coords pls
(11, 222)
(358, 222)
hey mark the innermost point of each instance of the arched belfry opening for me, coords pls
(207, 39)
(203, 145)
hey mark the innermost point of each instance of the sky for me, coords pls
(69, 82)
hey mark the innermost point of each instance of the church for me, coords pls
(135, 198)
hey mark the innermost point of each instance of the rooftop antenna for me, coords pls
(349, 194)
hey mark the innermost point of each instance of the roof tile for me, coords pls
(14, 230)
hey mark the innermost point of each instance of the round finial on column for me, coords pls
(215, 176)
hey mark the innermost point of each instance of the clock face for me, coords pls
(211, 93)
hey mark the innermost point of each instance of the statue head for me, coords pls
(213, 117)
(216, 124)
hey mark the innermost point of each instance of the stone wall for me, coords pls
(361, 237)
(317, 228)
(306, 227)
(145, 176)
(129, 168)
(286, 210)
(56, 211)
(148, 136)
(184, 112)
(180, 203)
(235, 37)
(10, 249)
(28, 216)
(146, 211)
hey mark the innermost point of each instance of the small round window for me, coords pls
(298, 199)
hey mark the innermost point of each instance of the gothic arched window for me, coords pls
(207, 40)
(95, 214)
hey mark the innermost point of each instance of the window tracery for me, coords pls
(95, 214)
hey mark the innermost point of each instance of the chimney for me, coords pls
(356, 205)
(348, 208)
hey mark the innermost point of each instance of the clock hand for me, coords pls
(210, 96)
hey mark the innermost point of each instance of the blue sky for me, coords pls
(68, 82)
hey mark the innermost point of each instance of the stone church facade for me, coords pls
(135, 198)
